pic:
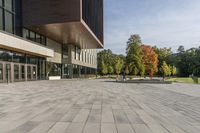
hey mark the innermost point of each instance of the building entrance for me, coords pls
(16, 72)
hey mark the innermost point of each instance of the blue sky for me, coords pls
(165, 23)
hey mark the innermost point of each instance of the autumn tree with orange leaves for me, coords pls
(150, 59)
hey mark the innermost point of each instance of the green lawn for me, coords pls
(183, 80)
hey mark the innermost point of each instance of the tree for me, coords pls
(110, 70)
(106, 59)
(118, 66)
(150, 59)
(127, 70)
(173, 70)
(165, 69)
(104, 70)
(181, 49)
(169, 70)
(134, 55)
(164, 54)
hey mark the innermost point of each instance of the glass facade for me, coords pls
(1, 71)
(7, 15)
(1, 19)
(10, 56)
(33, 36)
(54, 69)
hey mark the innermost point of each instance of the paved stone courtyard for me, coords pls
(98, 106)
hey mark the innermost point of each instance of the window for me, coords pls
(43, 40)
(1, 19)
(5, 55)
(8, 22)
(16, 72)
(1, 3)
(32, 36)
(65, 53)
(8, 5)
(1, 71)
(19, 58)
(38, 38)
(22, 72)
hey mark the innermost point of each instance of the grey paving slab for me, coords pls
(124, 128)
(75, 128)
(108, 128)
(92, 128)
(98, 106)
(59, 127)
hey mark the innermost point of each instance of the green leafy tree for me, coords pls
(165, 69)
(110, 70)
(134, 55)
(169, 70)
(118, 66)
(173, 70)
(104, 70)
(127, 70)
(164, 54)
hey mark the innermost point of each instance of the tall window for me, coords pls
(1, 18)
(7, 15)
(8, 5)
(8, 22)
(1, 3)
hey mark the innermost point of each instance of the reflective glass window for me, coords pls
(22, 71)
(1, 71)
(5, 55)
(38, 38)
(29, 72)
(32, 36)
(8, 5)
(16, 72)
(1, 19)
(1, 3)
(8, 22)
(19, 58)
(43, 40)
(26, 33)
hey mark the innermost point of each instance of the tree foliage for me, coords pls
(104, 69)
(134, 55)
(165, 69)
(110, 70)
(145, 60)
(119, 63)
(150, 59)
(173, 70)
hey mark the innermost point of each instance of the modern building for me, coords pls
(41, 39)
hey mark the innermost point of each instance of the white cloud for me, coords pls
(169, 26)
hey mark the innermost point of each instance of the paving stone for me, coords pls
(92, 128)
(81, 106)
(141, 128)
(108, 128)
(75, 128)
(42, 127)
(124, 128)
(59, 127)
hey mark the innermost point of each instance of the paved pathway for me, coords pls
(96, 106)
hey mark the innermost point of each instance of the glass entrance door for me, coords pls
(16, 72)
(22, 67)
(34, 72)
(1, 72)
(8, 73)
(29, 77)
(31, 72)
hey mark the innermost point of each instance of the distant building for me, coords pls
(45, 38)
